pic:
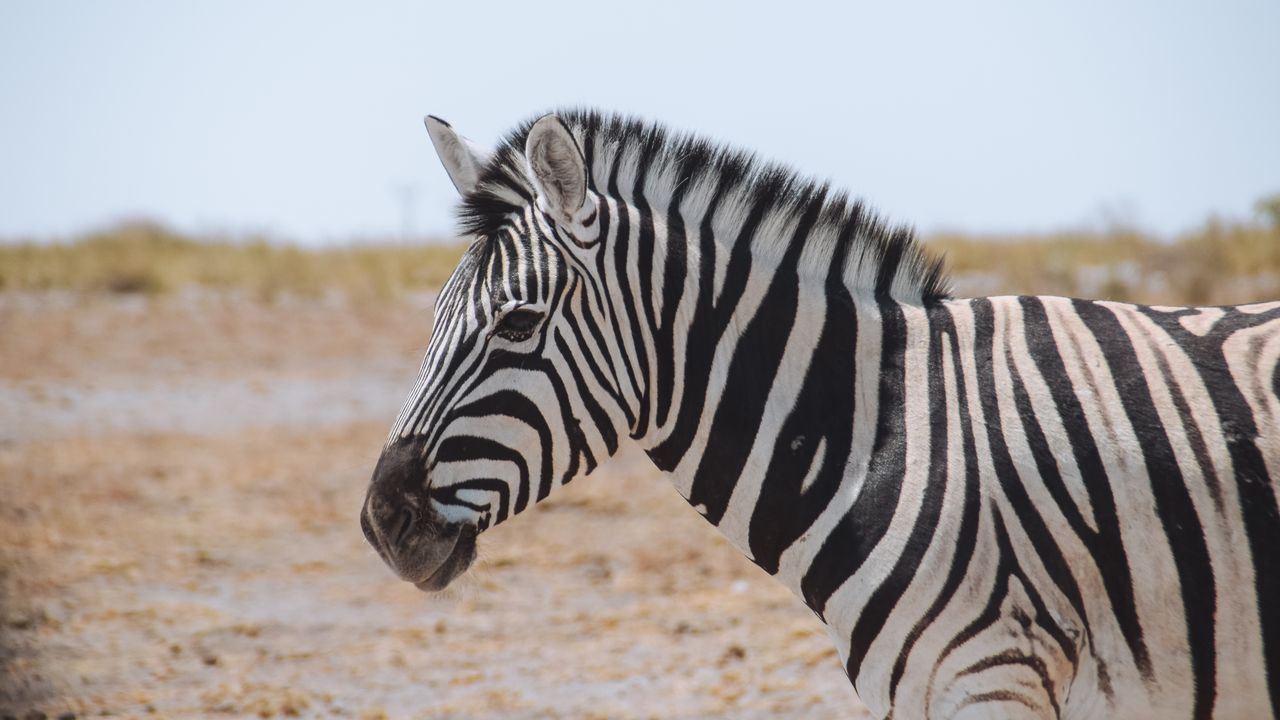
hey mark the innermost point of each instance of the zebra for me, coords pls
(1030, 507)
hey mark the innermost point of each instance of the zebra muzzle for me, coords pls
(410, 537)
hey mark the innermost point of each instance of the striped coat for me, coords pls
(1000, 507)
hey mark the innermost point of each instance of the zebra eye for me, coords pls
(519, 324)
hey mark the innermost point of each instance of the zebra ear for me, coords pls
(555, 166)
(461, 159)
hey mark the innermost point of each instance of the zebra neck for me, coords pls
(765, 381)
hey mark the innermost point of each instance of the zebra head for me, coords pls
(515, 394)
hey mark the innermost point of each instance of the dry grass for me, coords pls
(1221, 262)
(141, 257)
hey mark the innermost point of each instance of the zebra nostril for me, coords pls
(403, 522)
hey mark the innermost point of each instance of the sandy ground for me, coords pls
(179, 487)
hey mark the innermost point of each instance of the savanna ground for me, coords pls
(186, 431)
(180, 477)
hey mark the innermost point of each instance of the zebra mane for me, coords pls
(631, 159)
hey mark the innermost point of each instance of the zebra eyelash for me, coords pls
(518, 323)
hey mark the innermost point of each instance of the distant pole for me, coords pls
(408, 195)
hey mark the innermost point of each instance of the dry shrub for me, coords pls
(1222, 262)
(146, 258)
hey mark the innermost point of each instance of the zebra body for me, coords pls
(1017, 506)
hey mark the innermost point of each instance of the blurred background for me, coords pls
(221, 231)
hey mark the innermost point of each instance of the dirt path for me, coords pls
(179, 483)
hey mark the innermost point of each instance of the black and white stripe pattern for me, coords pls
(1001, 507)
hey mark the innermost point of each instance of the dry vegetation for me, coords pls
(143, 257)
(1219, 264)
(1223, 261)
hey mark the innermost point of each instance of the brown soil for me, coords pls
(179, 485)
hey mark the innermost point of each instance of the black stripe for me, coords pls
(854, 537)
(1184, 340)
(588, 357)
(1006, 568)
(596, 303)
(1031, 662)
(752, 370)
(1254, 486)
(599, 417)
(449, 495)
(886, 596)
(1106, 546)
(1173, 501)
(966, 538)
(639, 373)
(824, 410)
(887, 267)
(642, 313)
(990, 613)
(705, 329)
(675, 272)
(456, 448)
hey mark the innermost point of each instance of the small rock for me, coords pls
(598, 571)
(25, 621)
(733, 652)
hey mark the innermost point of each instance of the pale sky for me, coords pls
(303, 119)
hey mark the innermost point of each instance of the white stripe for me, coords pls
(1202, 321)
